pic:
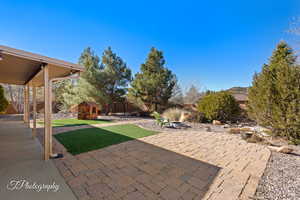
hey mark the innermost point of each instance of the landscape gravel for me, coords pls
(151, 124)
(281, 179)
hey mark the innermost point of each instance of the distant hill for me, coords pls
(239, 93)
(238, 90)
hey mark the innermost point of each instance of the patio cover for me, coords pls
(20, 67)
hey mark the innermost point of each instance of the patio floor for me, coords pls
(21, 159)
(182, 165)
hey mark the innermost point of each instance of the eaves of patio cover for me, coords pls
(20, 67)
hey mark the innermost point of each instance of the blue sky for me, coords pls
(212, 44)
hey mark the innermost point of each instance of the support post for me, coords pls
(50, 118)
(34, 111)
(47, 121)
(27, 106)
(24, 105)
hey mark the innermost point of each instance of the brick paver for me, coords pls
(182, 165)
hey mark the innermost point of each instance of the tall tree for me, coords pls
(92, 80)
(274, 98)
(103, 82)
(117, 76)
(89, 87)
(154, 85)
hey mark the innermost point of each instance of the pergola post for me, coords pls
(50, 119)
(24, 104)
(27, 106)
(34, 111)
(47, 120)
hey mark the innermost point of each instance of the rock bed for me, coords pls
(121, 118)
(281, 179)
(151, 124)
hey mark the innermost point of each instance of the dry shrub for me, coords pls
(175, 114)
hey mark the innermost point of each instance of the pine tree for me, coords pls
(274, 98)
(102, 82)
(87, 88)
(91, 82)
(116, 74)
(154, 85)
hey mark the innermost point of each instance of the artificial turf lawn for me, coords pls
(88, 139)
(75, 122)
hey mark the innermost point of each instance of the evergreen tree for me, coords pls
(274, 98)
(154, 85)
(3, 101)
(89, 87)
(103, 82)
(91, 82)
(117, 76)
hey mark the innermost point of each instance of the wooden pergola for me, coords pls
(32, 70)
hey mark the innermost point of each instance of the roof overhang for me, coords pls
(21, 67)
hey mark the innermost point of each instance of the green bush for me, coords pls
(220, 106)
(3, 101)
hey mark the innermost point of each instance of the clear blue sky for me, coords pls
(213, 44)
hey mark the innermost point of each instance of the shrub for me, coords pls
(175, 114)
(220, 106)
(3, 101)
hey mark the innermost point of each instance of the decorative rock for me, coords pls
(226, 126)
(246, 135)
(208, 129)
(285, 149)
(282, 149)
(216, 122)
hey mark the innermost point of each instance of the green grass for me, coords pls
(88, 139)
(74, 122)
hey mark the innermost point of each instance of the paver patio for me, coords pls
(181, 165)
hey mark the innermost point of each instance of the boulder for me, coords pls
(216, 122)
(282, 149)
(226, 126)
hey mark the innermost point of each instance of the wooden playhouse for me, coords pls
(88, 110)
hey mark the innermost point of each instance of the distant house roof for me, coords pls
(240, 97)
